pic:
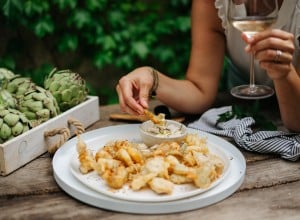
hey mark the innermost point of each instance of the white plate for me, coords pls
(95, 139)
(95, 182)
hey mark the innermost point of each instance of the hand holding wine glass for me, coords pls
(250, 17)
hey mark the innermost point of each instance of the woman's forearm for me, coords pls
(186, 96)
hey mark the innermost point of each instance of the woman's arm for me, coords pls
(207, 55)
(197, 92)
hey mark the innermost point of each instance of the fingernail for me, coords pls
(144, 103)
(250, 39)
(247, 48)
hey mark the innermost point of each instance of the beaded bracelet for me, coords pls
(152, 92)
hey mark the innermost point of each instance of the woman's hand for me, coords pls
(133, 90)
(274, 49)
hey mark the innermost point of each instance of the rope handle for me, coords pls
(64, 134)
(77, 124)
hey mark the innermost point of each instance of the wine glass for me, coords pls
(250, 17)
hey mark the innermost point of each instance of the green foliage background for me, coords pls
(100, 39)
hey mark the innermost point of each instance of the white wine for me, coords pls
(251, 17)
(250, 27)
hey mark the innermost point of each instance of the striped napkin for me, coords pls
(286, 144)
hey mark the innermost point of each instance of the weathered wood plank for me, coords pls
(269, 203)
(269, 173)
(34, 178)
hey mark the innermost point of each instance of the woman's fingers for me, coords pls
(286, 45)
(272, 66)
(277, 33)
(124, 104)
(128, 99)
(274, 49)
(272, 55)
(133, 91)
(271, 39)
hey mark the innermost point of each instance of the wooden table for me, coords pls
(271, 189)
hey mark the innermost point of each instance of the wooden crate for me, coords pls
(24, 148)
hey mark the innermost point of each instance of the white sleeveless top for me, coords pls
(288, 20)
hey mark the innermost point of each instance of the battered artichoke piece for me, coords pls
(156, 119)
(158, 166)
(116, 178)
(85, 156)
(180, 179)
(104, 164)
(202, 177)
(161, 185)
(141, 181)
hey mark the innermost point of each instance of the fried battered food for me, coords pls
(85, 157)
(104, 164)
(166, 148)
(194, 141)
(189, 159)
(218, 163)
(172, 160)
(161, 185)
(135, 154)
(159, 167)
(200, 158)
(202, 178)
(156, 119)
(102, 153)
(180, 179)
(124, 156)
(116, 178)
(133, 170)
(141, 181)
(182, 169)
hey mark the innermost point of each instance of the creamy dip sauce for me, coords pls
(166, 130)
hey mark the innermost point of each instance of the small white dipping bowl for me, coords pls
(151, 139)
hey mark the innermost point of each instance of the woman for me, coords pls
(212, 37)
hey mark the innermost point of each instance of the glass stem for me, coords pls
(252, 75)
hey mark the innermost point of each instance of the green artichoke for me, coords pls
(12, 123)
(18, 85)
(5, 74)
(67, 87)
(7, 99)
(38, 105)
